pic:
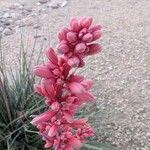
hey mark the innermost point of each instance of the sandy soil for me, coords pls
(121, 72)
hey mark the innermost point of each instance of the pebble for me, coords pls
(20, 23)
(1, 29)
(36, 26)
(21, 15)
(64, 3)
(21, 7)
(38, 36)
(25, 13)
(8, 22)
(38, 3)
(16, 16)
(7, 15)
(7, 31)
(58, 3)
(43, 1)
(28, 8)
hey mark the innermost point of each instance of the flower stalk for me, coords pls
(63, 90)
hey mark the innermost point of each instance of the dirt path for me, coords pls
(121, 72)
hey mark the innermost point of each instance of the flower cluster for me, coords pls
(64, 91)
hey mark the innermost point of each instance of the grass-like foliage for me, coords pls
(17, 103)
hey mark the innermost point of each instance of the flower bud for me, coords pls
(80, 48)
(86, 23)
(63, 48)
(74, 25)
(87, 37)
(55, 106)
(71, 37)
(96, 35)
(74, 62)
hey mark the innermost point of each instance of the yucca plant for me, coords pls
(17, 103)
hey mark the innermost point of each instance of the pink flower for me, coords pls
(76, 41)
(46, 116)
(56, 69)
(80, 88)
(65, 92)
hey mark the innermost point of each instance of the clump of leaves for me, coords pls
(17, 103)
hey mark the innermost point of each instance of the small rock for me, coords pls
(12, 7)
(20, 23)
(16, 16)
(54, 5)
(7, 15)
(1, 29)
(38, 3)
(36, 26)
(8, 22)
(21, 7)
(29, 21)
(48, 5)
(43, 1)
(28, 8)
(64, 3)
(8, 31)
(38, 36)
(58, 3)
(16, 4)
(25, 13)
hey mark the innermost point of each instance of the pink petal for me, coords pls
(37, 89)
(82, 63)
(42, 71)
(80, 48)
(85, 97)
(62, 34)
(94, 28)
(68, 148)
(74, 142)
(86, 23)
(55, 106)
(87, 84)
(96, 35)
(87, 37)
(76, 88)
(74, 62)
(48, 144)
(78, 123)
(68, 116)
(48, 88)
(76, 78)
(44, 117)
(66, 69)
(94, 49)
(74, 26)
(82, 32)
(71, 37)
(53, 131)
(50, 53)
(63, 48)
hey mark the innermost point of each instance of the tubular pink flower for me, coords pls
(65, 92)
(46, 116)
(77, 40)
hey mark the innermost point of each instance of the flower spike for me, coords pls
(65, 92)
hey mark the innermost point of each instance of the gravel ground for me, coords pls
(121, 72)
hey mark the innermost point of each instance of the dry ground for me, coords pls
(121, 72)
